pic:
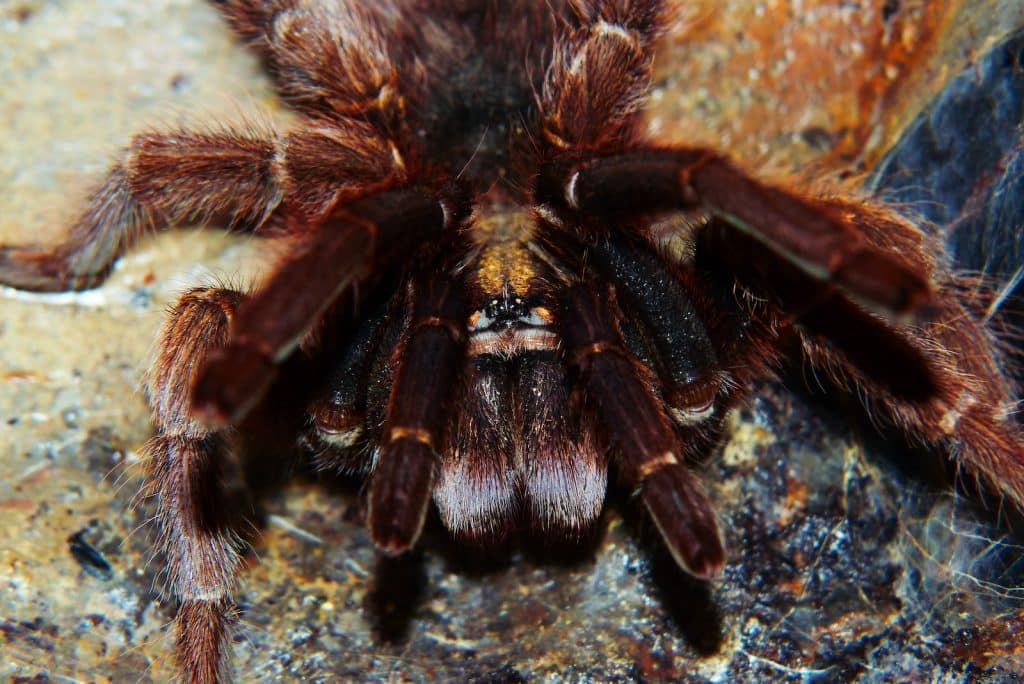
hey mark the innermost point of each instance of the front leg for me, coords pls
(341, 255)
(811, 236)
(649, 455)
(821, 260)
(824, 265)
(198, 521)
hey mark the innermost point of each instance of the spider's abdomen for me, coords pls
(474, 108)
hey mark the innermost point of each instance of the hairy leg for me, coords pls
(418, 413)
(327, 57)
(161, 179)
(599, 74)
(972, 416)
(661, 299)
(813, 237)
(649, 455)
(343, 253)
(198, 513)
(967, 410)
(238, 178)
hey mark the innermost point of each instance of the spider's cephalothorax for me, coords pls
(473, 293)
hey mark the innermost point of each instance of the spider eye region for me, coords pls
(505, 310)
(509, 324)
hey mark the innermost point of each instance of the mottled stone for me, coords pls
(960, 167)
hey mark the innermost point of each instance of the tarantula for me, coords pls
(476, 299)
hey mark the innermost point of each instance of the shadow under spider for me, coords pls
(686, 600)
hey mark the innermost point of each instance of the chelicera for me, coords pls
(474, 302)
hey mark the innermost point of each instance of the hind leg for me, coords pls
(327, 57)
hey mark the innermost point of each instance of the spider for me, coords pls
(476, 303)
